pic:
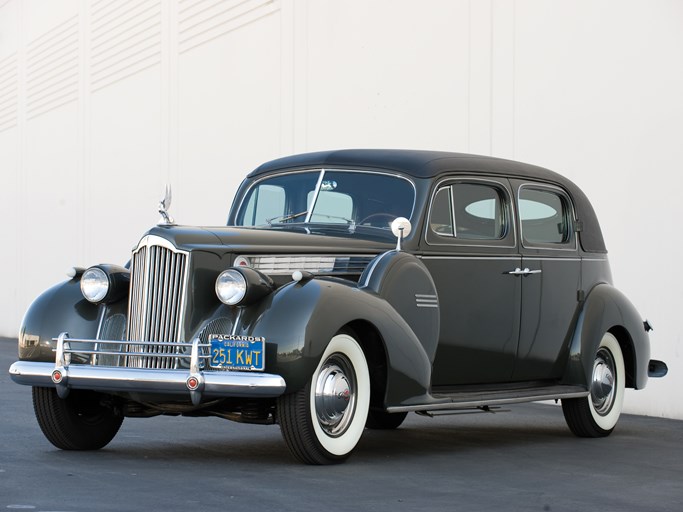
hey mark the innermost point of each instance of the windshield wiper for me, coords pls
(350, 222)
(285, 218)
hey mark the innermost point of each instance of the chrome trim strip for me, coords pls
(426, 301)
(530, 258)
(448, 405)
(492, 257)
(372, 268)
(109, 379)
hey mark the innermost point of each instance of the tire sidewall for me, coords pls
(343, 444)
(608, 421)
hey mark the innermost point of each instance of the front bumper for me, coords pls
(195, 382)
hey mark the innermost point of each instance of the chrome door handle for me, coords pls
(519, 272)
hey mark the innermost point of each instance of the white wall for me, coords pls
(102, 102)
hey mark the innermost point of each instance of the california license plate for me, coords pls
(232, 352)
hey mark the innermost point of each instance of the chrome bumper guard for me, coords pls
(65, 376)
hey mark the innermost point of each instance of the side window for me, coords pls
(544, 216)
(478, 212)
(469, 211)
(441, 217)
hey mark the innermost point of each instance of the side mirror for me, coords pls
(401, 228)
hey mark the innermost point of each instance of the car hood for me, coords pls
(264, 241)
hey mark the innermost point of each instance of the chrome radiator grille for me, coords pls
(155, 311)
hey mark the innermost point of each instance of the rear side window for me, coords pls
(469, 211)
(545, 216)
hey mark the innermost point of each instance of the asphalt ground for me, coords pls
(525, 459)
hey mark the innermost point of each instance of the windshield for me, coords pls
(349, 198)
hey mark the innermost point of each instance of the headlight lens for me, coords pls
(231, 287)
(94, 284)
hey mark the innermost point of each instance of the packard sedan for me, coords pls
(348, 289)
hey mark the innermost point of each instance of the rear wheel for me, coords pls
(77, 422)
(323, 422)
(597, 414)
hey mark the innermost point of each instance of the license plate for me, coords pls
(231, 352)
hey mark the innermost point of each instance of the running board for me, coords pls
(472, 400)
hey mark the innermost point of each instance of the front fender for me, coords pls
(61, 308)
(607, 309)
(301, 318)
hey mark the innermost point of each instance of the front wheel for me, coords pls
(77, 422)
(323, 422)
(597, 414)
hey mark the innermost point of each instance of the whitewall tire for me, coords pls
(597, 414)
(323, 422)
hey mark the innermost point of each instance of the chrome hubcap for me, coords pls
(335, 396)
(603, 386)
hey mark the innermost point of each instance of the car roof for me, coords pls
(426, 164)
(416, 163)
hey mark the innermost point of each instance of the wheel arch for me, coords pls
(606, 309)
(303, 317)
(61, 308)
(627, 351)
(373, 345)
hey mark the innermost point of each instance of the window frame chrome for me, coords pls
(453, 240)
(569, 245)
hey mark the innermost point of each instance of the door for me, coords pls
(469, 249)
(551, 280)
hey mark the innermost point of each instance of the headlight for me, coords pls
(241, 286)
(105, 283)
(94, 284)
(231, 287)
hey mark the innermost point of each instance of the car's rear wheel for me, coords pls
(382, 420)
(597, 414)
(323, 422)
(77, 422)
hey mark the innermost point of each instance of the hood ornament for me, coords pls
(164, 205)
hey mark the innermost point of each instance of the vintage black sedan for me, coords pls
(348, 289)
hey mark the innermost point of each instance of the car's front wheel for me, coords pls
(323, 422)
(77, 422)
(597, 414)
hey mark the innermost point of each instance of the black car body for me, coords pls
(307, 311)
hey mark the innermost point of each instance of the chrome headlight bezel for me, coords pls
(241, 286)
(231, 287)
(104, 283)
(95, 284)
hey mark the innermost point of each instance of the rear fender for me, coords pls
(607, 309)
